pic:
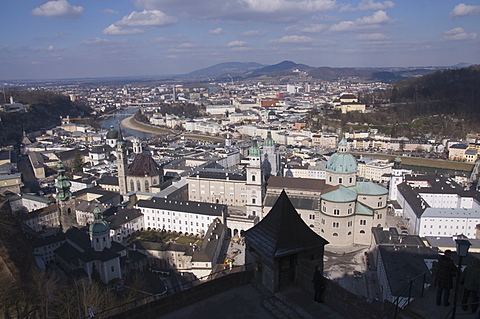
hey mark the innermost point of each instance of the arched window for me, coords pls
(138, 186)
(340, 180)
(362, 232)
(312, 226)
(154, 182)
(147, 187)
(253, 178)
(69, 211)
(132, 186)
(335, 234)
(349, 233)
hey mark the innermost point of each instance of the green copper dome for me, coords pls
(99, 227)
(255, 150)
(341, 161)
(269, 140)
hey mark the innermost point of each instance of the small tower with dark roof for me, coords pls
(279, 244)
(111, 137)
(65, 200)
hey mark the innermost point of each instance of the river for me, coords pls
(117, 117)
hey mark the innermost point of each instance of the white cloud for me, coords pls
(240, 49)
(111, 11)
(254, 33)
(371, 21)
(308, 28)
(95, 41)
(146, 18)
(464, 10)
(216, 31)
(116, 30)
(241, 10)
(379, 17)
(236, 44)
(187, 45)
(369, 5)
(343, 26)
(50, 48)
(267, 6)
(293, 39)
(458, 34)
(58, 8)
(371, 37)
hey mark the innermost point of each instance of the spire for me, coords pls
(254, 150)
(269, 141)
(62, 184)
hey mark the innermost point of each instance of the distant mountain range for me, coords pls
(227, 69)
(250, 71)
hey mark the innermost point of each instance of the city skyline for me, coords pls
(74, 38)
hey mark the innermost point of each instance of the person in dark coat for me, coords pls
(318, 284)
(445, 272)
(470, 280)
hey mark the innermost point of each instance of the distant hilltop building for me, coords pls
(348, 102)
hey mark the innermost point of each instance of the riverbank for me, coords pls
(132, 124)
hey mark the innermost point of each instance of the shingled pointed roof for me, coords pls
(283, 232)
(144, 165)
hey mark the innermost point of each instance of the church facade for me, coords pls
(341, 210)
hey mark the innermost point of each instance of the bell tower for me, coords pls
(65, 200)
(121, 163)
(255, 182)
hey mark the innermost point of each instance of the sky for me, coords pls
(104, 38)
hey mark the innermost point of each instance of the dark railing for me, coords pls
(414, 288)
(226, 279)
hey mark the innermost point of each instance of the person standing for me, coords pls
(470, 280)
(318, 284)
(445, 272)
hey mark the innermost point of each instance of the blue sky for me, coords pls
(99, 38)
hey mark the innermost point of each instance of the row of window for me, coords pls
(349, 233)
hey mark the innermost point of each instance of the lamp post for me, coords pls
(462, 251)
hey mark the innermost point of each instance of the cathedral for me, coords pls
(340, 209)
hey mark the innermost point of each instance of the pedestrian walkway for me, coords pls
(425, 307)
(246, 302)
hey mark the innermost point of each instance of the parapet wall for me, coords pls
(157, 308)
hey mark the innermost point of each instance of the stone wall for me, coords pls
(157, 308)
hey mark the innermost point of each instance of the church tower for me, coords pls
(255, 182)
(99, 231)
(270, 158)
(395, 179)
(137, 146)
(65, 200)
(121, 163)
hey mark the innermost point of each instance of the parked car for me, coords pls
(404, 232)
(403, 228)
(357, 274)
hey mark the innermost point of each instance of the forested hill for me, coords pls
(452, 92)
(44, 109)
